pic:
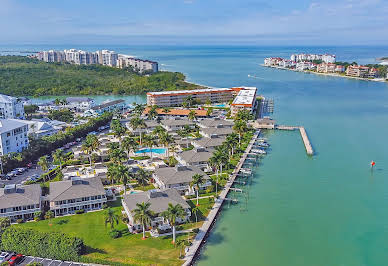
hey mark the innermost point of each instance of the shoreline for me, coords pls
(325, 74)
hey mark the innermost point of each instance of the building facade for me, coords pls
(13, 136)
(245, 100)
(138, 65)
(11, 107)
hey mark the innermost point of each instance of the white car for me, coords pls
(4, 256)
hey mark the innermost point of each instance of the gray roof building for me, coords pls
(209, 143)
(17, 195)
(214, 122)
(177, 122)
(159, 200)
(195, 156)
(219, 130)
(178, 174)
(76, 188)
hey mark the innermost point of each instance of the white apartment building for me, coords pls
(11, 107)
(138, 65)
(245, 100)
(80, 103)
(327, 58)
(107, 58)
(20, 202)
(13, 136)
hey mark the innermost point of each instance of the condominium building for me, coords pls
(245, 100)
(361, 71)
(107, 58)
(79, 103)
(176, 98)
(327, 58)
(138, 65)
(326, 68)
(66, 197)
(20, 202)
(11, 107)
(13, 136)
(116, 105)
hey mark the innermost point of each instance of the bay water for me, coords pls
(329, 209)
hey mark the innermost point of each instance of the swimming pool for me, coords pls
(220, 105)
(154, 150)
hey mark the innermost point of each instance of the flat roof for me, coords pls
(245, 97)
(197, 91)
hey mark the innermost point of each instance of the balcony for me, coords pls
(79, 203)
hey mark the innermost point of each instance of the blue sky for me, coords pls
(329, 22)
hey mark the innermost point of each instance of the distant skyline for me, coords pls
(298, 22)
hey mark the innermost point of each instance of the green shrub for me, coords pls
(37, 216)
(114, 233)
(20, 221)
(104, 206)
(51, 245)
(196, 230)
(80, 211)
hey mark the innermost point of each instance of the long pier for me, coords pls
(306, 141)
(211, 218)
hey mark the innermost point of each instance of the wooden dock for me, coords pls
(211, 218)
(306, 141)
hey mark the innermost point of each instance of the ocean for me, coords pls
(329, 209)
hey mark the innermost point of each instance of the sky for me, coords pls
(275, 22)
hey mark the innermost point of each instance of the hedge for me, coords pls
(41, 244)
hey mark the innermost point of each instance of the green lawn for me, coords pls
(126, 250)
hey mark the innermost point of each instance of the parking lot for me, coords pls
(19, 178)
(46, 262)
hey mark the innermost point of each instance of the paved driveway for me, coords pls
(46, 262)
(19, 178)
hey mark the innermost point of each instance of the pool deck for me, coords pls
(200, 238)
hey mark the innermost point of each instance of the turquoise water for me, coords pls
(154, 150)
(220, 105)
(326, 210)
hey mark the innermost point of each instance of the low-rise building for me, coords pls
(68, 196)
(195, 157)
(200, 113)
(264, 123)
(150, 125)
(360, 71)
(116, 105)
(176, 124)
(219, 130)
(20, 202)
(159, 201)
(179, 178)
(79, 103)
(214, 122)
(209, 143)
(13, 136)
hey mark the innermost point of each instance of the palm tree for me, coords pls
(209, 111)
(192, 115)
(142, 176)
(112, 173)
(139, 108)
(195, 183)
(195, 211)
(5, 222)
(181, 243)
(173, 213)
(43, 163)
(166, 139)
(117, 156)
(122, 174)
(58, 156)
(150, 141)
(48, 216)
(143, 215)
(90, 145)
(57, 101)
(166, 110)
(231, 142)
(152, 113)
(214, 161)
(129, 144)
(159, 130)
(240, 127)
(244, 115)
(111, 218)
(138, 123)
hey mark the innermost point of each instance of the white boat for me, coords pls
(258, 151)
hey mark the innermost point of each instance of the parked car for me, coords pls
(34, 177)
(4, 256)
(29, 165)
(15, 259)
(15, 172)
(21, 169)
(9, 176)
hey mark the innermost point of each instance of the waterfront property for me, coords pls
(245, 100)
(159, 200)
(175, 112)
(176, 98)
(196, 157)
(138, 65)
(20, 202)
(11, 107)
(69, 196)
(361, 71)
(179, 178)
(79, 103)
(264, 123)
(13, 136)
(116, 105)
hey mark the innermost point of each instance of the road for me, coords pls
(46, 262)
